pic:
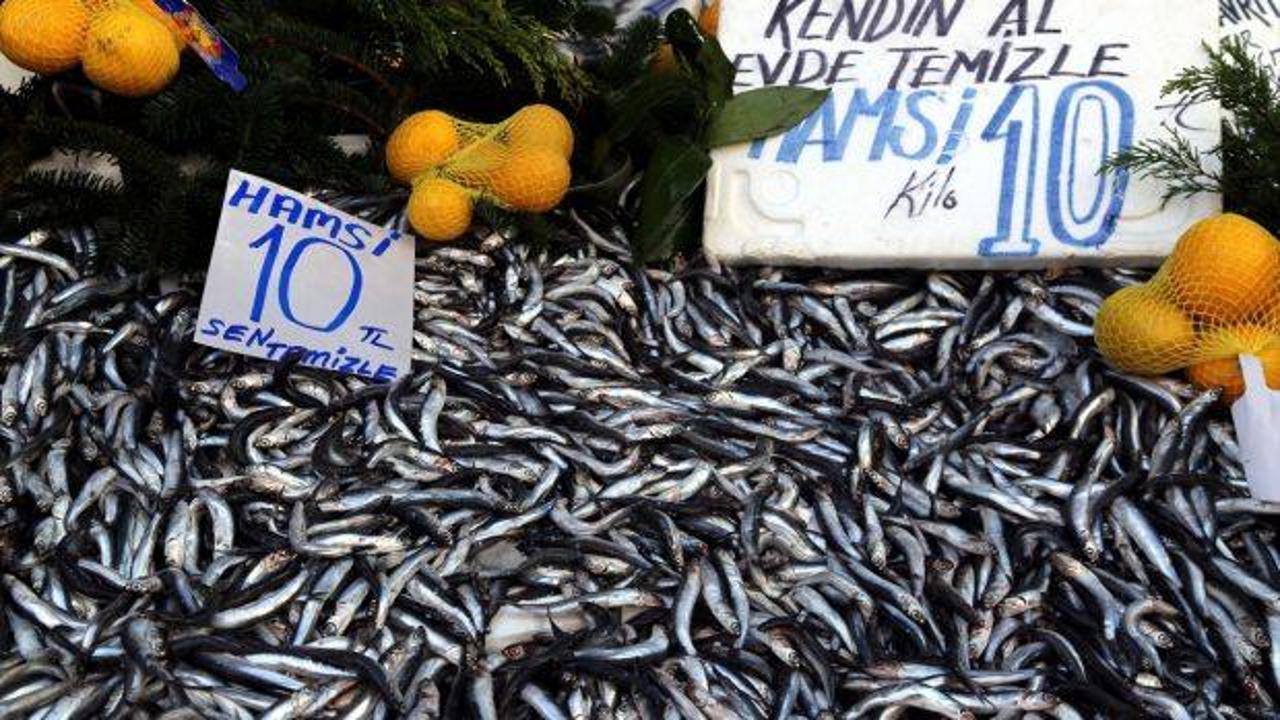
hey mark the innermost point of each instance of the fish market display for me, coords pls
(616, 493)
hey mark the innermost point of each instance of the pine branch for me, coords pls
(57, 199)
(630, 52)
(1249, 154)
(1173, 160)
(316, 69)
(485, 37)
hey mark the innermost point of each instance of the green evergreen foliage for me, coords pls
(316, 69)
(1245, 167)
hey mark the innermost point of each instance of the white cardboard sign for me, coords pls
(1257, 22)
(291, 274)
(959, 133)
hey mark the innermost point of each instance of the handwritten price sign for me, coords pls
(291, 275)
(967, 133)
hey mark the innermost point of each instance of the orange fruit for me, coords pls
(1140, 332)
(422, 141)
(532, 179)
(709, 19)
(439, 209)
(129, 53)
(664, 60)
(1224, 268)
(1223, 373)
(540, 126)
(1224, 346)
(43, 36)
(152, 9)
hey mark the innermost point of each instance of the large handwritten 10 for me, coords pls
(1017, 123)
(272, 240)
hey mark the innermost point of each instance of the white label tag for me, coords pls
(963, 133)
(291, 274)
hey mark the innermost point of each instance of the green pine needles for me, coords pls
(1245, 168)
(316, 69)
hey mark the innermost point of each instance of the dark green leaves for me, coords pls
(682, 32)
(702, 57)
(1244, 165)
(653, 99)
(762, 112)
(669, 118)
(716, 72)
(668, 206)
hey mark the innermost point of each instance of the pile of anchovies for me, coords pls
(605, 492)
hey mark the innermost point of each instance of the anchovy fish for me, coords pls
(605, 491)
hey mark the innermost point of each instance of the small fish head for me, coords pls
(519, 651)
(1033, 701)
(1253, 688)
(942, 565)
(278, 559)
(144, 586)
(1258, 637)
(1067, 565)
(269, 441)
(45, 502)
(946, 509)
(1015, 605)
(914, 611)
(886, 669)
(1250, 653)
(1092, 552)
(879, 557)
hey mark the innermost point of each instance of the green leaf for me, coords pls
(652, 93)
(702, 56)
(668, 197)
(681, 29)
(762, 112)
(716, 72)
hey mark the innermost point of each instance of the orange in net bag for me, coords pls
(1217, 297)
(521, 163)
(127, 47)
(43, 36)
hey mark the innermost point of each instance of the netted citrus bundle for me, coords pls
(521, 163)
(126, 47)
(1217, 297)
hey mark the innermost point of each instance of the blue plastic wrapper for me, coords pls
(628, 10)
(209, 44)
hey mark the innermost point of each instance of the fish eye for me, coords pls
(513, 652)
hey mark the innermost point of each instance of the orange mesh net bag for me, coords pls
(126, 47)
(1217, 297)
(43, 36)
(521, 163)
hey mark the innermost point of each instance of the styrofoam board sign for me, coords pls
(959, 133)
